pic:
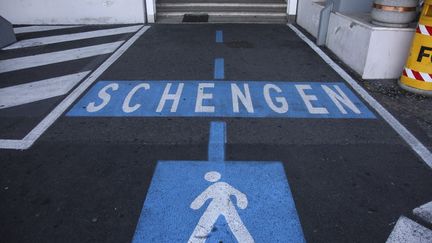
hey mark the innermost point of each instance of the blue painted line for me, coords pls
(219, 36)
(219, 72)
(217, 140)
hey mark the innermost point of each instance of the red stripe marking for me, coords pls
(418, 30)
(417, 75)
(404, 73)
(429, 29)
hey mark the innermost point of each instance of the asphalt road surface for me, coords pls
(222, 133)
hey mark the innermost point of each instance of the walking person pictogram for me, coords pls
(219, 193)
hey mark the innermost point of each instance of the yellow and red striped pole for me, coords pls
(417, 75)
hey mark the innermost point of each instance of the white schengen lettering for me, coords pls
(92, 107)
(308, 98)
(167, 96)
(126, 104)
(201, 96)
(283, 108)
(220, 194)
(339, 98)
(223, 98)
(245, 98)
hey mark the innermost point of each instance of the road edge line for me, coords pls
(36, 132)
(406, 135)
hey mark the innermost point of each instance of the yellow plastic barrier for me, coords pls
(417, 75)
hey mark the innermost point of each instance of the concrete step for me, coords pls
(223, 11)
(226, 17)
(222, 7)
(222, 1)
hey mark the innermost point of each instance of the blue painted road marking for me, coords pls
(217, 140)
(219, 72)
(218, 201)
(219, 36)
(221, 99)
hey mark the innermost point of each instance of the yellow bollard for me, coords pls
(417, 75)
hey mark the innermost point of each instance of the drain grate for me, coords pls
(195, 18)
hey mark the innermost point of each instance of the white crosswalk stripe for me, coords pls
(27, 89)
(55, 57)
(424, 212)
(71, 37)
(406, 230)
(39, 28)
(39, 90)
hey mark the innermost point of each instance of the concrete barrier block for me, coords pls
(7, 35)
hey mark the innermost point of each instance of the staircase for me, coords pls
(221, 11)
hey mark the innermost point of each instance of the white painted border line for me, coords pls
(71, 37)
(39, 90)
(34, 134)
(39, 28)
(19, 63)
(412, 141)
(14, 144)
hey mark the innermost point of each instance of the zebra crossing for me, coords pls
(71, 37)
(36, 28)
(34, 91)
(44, 66)
(56, 57)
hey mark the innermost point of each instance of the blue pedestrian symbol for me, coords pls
(219, 201)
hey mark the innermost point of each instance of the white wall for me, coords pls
(309, 14)
(373, 52)
(386, 59)
(73, 11)
(151, 10)
(349, 41)
(292, 7)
